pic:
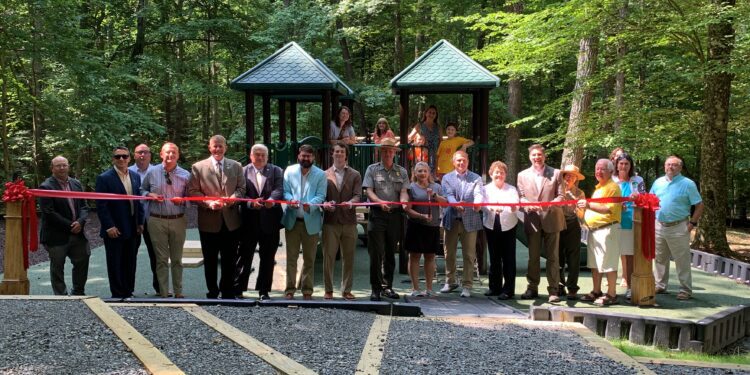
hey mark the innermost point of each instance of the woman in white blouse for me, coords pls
(500, 230)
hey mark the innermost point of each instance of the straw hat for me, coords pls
(572, 169)
(389, 142)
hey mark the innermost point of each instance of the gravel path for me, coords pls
(72, 340)
(688, 370)
(193, 346)
(328, 341)
(432, 347)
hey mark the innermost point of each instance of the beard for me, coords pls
(305, 163)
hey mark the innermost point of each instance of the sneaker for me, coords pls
(429, 293)
(466, 292)
(628, 294)
(417, 293)
(447, 288)
(553, 298)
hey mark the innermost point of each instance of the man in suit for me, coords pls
(459, 186)
(261, 221)
(304, 186)
(218, 219)
(142, 166)
(340, 222)
(121, 223)
(62, 230)
(542, 183)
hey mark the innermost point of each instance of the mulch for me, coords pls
(92, 233)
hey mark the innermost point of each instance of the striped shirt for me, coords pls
(156, 182)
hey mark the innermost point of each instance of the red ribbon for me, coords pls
(17, 191)
(649, 203)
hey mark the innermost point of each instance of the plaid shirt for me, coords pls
(467, 188)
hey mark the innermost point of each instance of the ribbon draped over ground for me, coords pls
(17, 191)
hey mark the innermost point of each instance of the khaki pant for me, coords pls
(468, 250)
(550, 244)
(673, 241)
(294, 239)
(335, 237)
(168, 239)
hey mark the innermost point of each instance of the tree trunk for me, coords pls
(4, 121)
(622, 50)
(348, 70)
(513, 133)
(713, 166)
(398, 44)
(140, 35)
(35, 90)
(581, 104)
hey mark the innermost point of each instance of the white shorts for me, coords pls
(604, 249)
(627, 242)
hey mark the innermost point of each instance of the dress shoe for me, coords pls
(328, 295)
(389, 293)
(491, 293)
(661, 291)
(212, 295)
(307, 297)
(289, 296)
(553, 298)
(529, 294)
(572, 296)
(447, 288)
(561, 291)
(504, 296)
(179, 295)
(348, 296)
(264, 297)
(375, 296)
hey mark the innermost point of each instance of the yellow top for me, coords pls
(445, 153)
(609, 189)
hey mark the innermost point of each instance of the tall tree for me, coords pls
(581, 104)
(515, 105)
(718, 85)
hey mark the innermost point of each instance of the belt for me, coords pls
(301, 219)
(671, 223)
(166, 216)
(459, 219)
(606, 225)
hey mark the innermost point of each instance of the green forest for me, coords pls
(656, 77)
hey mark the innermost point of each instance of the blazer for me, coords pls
(350, 190)
(116, 213)
(204, 182)
(550, 219)
(472, 193)
(267, 219)
(56, 214)
(314, 192)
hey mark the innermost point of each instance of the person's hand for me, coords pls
(113, 232)
(140, 229)
(348, 205)
(215, 204)
(268, 204)
(255, 204)
(460, 209)
(477, 208)
(159, 198)
(329, 206)
(306, 207)
(582, 204)
(178, 201)
(75, 227)
(385, 207)
(293, 204)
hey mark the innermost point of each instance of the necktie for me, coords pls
(259, 181)
(220, 172)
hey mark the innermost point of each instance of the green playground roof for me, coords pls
(443, 68)
(290, 70)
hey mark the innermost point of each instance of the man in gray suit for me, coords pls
(542, 183)
(218, 220)
(62, 230)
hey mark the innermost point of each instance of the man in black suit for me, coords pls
(261, 222)
(62, 230)
(121, 223)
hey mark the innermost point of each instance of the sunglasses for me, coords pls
(120, 156)
(169, 180)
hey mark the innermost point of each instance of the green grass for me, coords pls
(635, 350)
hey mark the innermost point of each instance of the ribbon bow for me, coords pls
(649, 203)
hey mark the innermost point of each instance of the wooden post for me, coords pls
(266, 119)
(403, 131)
(282, 121)
(15, 280)
(249, 121)
(644, 293)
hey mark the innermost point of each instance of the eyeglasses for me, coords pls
(143, 152)
(120, 156)
(169, 180)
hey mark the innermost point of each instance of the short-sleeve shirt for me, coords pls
(635, 184)
(675, 198)
(386, 184)
(608, 189)
(336, 131)
(419, 194)
(446, 150)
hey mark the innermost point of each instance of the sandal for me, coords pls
(683, 296)
(606, 300)
(592, 296)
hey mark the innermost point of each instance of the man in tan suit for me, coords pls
(218, 220)
(542, 183)
(340, 222)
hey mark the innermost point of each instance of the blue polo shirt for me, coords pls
(675, 198)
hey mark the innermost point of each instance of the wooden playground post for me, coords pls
(15, 280)
(644, 293)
